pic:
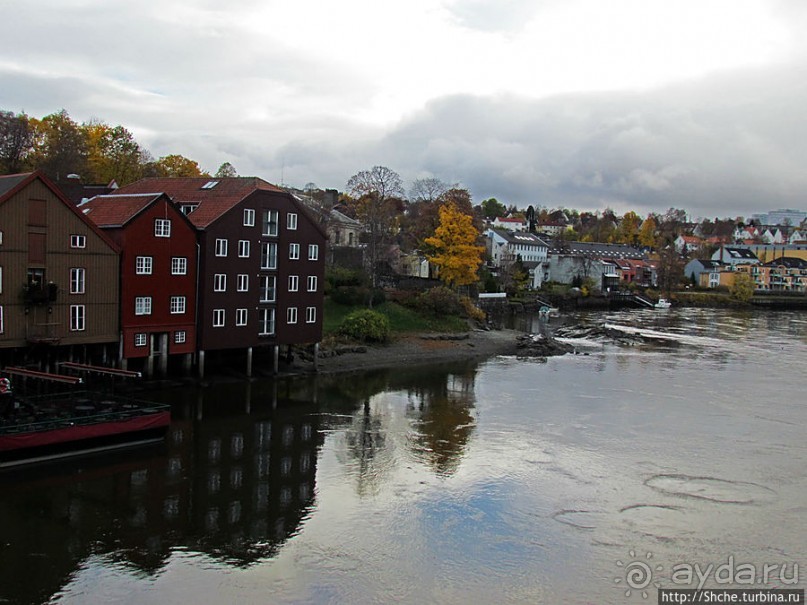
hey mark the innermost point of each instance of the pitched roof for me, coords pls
(214, 196)
(791, 262)
(521, 237)
(116, 210)
(9, 182)
(596, 249)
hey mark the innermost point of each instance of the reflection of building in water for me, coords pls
(233, 485)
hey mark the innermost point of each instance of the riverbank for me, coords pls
(413, 350)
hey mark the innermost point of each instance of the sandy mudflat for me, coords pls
(422, 349)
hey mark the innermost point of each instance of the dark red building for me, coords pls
(158, 275)
(261, 262)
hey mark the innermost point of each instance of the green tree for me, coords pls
(455, 250)
(493, 208)
(227, 170)
(112, 153)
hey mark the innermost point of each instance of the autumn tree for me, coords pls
(456, 252)
(647, 233)
(16, 140)
(175, 165)
(628, 230)
(377, 197)
(112, 153)
(742, 290)
(60, 146)
(427, 190)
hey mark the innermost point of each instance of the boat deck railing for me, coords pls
(53, 412)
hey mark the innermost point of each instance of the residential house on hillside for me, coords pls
(261, 263)
(58, 273)
(551, 228)
(509, 223)
(735, 255)
(687, 243)
(697, 267)
(505, 247)
(158, 276)
(571, 261)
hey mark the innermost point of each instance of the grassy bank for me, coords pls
(402, 320)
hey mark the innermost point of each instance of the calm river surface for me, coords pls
(510, 481)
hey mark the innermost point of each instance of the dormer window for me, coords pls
(186, 209)
(210, 184)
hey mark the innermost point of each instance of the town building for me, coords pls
(261, 264)
(59, 276)
(735, 255)
(506, 247)
(158, 276)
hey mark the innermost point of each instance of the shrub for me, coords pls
(440, 301)
(366, 325)
(471, 310)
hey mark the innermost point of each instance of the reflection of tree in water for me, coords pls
(441, 415)
(367, 447)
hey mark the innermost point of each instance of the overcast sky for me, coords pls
(632, 104)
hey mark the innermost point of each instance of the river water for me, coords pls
(588, 478)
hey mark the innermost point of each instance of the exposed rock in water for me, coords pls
(536, 345)
(603, 332)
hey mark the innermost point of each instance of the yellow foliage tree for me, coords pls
(456, 252)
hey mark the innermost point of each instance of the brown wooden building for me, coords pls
(261, 263)
(158, 277)
(58, 275)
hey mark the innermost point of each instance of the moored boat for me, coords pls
(663, 303)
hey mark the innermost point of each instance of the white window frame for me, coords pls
(240, 317)
(268, 260)
(271, 218)
(78, 318)
(313, 252)
(2, 325)
(221, 247)
(177, 305)
(291, 315)
(162, 227)
(77, 280)
(294, 251)
(266, 321)
(310, 315)
(144, 265)
(268, 285)
(78, 241)
(242, 284)
(179, 265)
(294, 283)
(291, 221)
(218, 318)
(220, 282)
(141, 339)
(180, 337)
(142, 305)
(311, 286)
(243, 248)
(249, 217)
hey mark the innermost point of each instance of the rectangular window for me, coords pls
(162, 227)
(266, 322)
(270, 218)
(243, 248)
(220, 282)
(240, 317)
(249, 217)
(78, 241)
(179, 337)
(268, 256)
(291, 221)
(294, 283)
(243, 282)
(294, 251)
(177, 305)
(77, 318)
(143, 265)
(291, 315)
(310, 315)
(140, 340)
(218, 318)
(186, 209)
(179, 265)
(76, 281)
(268, 288)
(313, 252)
(143, 305)
(221, 247)
(312, 283)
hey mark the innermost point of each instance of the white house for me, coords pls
(505, 247)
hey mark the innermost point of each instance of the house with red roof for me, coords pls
(58, 276)
(261, 263)
(158, 277)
